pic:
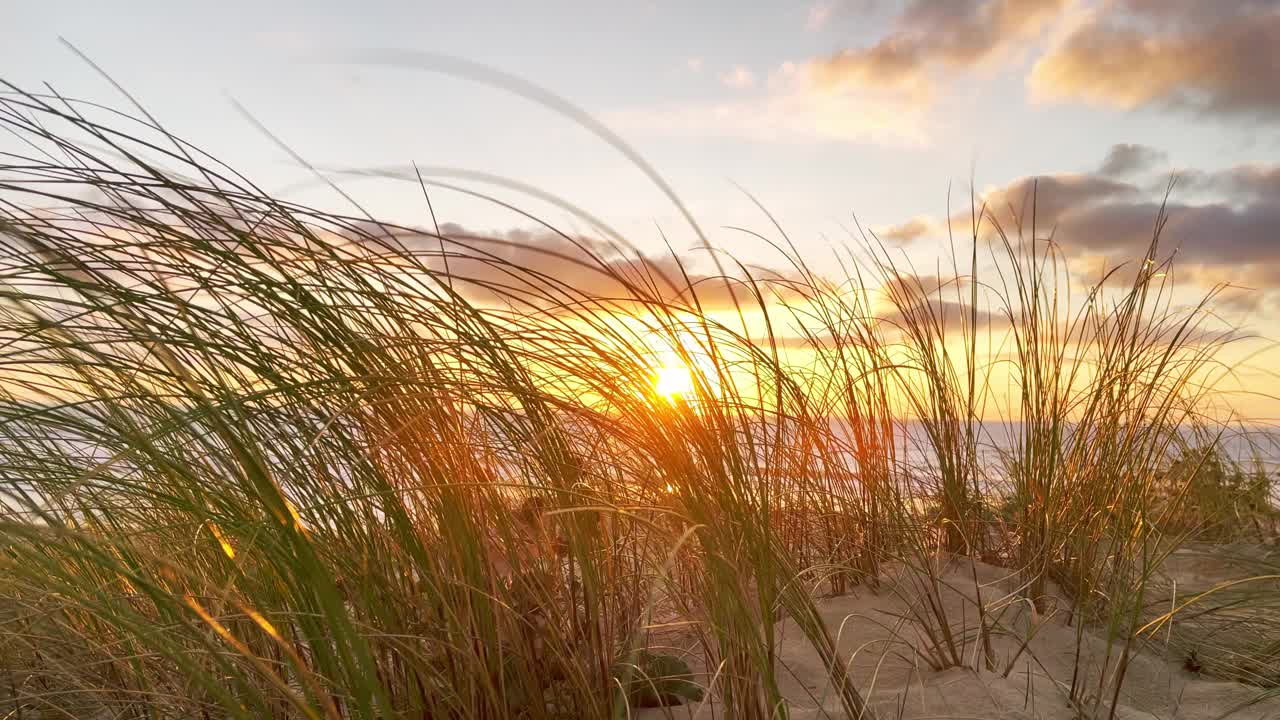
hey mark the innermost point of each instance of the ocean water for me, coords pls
(1251, 448)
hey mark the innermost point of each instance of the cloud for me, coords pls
(1125, 160)
(1208, 57)
(1255, 182)
(1236, 298)
(1235, 237)
(790, 105)
(932, 35)
(547, 269)
(906, 232)
(914, 287)
(928, 303)
(1219, 57)
(1235, 241)
(1045, 200)
(1229, 234)
(879, 93)
(948, 316)
(694, 64)
(739, 77)
(793, 103)
(913, 299)
(821, 14)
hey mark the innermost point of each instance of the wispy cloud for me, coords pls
(739, 77)
(912, 229)
(820, 14)
(825, 12)
(791, 105)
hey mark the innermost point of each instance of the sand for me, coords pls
(889, 667)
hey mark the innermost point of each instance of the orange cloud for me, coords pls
(879, 93)
(930, 35)
(906, 232)
(1212, 57)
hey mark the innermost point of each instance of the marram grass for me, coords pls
(263, 460)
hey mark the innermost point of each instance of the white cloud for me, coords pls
(739, 77)
(823, 13)
(820, 14)
(791, 105)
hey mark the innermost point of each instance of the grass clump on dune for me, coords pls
(263, 460)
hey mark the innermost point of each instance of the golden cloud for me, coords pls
(1220, 57)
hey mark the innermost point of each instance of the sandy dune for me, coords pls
(889, 663)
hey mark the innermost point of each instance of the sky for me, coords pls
(824, 110)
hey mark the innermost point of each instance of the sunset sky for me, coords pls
(822, 110)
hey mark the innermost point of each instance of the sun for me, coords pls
(672, 382)
(680, 369)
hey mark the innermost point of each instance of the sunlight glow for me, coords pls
(673, 381)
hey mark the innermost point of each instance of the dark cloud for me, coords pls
(1046, 199)
(907, 288)
(1240, 184)
(1217, 57)
(911, 298)
(929, 34)
(948, 316)
(547, 268)
(1126, 159)
(1256, 182)
(1235, 236)
(1238, 241)
(1222, 226)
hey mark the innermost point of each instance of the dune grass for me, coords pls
(265, 460)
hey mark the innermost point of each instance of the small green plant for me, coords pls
(657, 680)
(1220, 500)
